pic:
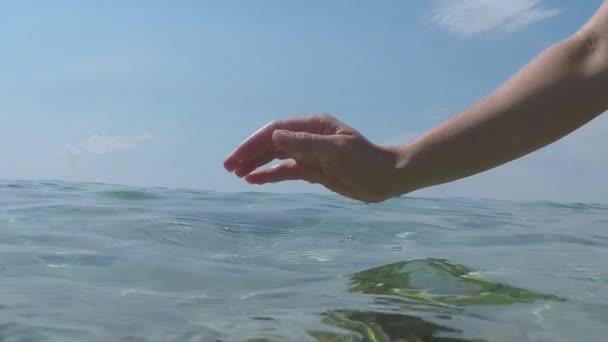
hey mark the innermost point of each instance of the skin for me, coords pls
(560, 90)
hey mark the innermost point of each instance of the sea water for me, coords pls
(94, 262)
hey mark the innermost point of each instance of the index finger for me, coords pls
(260, 142)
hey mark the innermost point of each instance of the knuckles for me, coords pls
(323, 117)
(302, 137)
(326, 121)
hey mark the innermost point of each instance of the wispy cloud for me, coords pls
(103, 145)
(470, 17)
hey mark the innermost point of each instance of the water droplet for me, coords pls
(403, 235)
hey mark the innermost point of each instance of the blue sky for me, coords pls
(157, 93)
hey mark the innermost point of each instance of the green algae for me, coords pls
(435, 283)
(369, 326)
(440, 282)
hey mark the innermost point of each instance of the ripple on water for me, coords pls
(129, 195)
(15, 186)
(208, 233)
(77, 258)
(17, 331)
(531, 239)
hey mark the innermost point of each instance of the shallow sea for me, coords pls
(94, 262)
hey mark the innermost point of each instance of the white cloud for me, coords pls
(471, 17)
(102, 145)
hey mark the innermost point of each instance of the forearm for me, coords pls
(559, 91)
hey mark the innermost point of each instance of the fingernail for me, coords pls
(231, 164)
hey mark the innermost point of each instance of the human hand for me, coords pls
(320, 149)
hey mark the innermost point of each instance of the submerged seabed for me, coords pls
(93, 262)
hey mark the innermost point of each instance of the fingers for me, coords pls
(296, 145)
(291, 170)
(244, 169)
(260, 142)
(285, 171)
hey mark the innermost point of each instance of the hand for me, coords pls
(320, 149)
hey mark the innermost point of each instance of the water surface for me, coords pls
(94, 262)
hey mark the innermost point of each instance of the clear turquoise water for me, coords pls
(92, 262)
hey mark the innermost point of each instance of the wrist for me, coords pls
(405, 178)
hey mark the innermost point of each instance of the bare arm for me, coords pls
(556, 93)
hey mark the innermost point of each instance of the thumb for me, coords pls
(304, 143)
